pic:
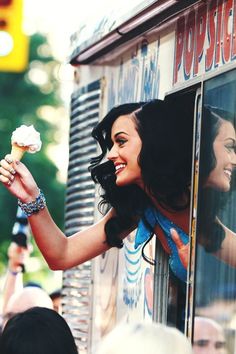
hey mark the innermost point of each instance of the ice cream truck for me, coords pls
(138, 51)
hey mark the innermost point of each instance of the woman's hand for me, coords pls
(183, 250)
(18, 180)
(17, 256)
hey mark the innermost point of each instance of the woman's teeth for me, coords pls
(228, 173)
(119, 167)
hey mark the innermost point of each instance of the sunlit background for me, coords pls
(57, 21)
(48, 74)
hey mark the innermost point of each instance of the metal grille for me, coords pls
(79, 211)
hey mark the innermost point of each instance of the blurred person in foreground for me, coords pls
(25, 299)
(139, 338)
(209, 337)
(16, 297)
(37, 331)
(17, 257)
(18, 253)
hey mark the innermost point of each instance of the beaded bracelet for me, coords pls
(12, 272)
(35, 206)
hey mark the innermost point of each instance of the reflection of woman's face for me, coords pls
(224, 150)
(125, 151)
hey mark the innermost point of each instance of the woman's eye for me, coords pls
(121, 142)
(230, 148)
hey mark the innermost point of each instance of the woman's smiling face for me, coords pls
(125, 151)
(224, 150)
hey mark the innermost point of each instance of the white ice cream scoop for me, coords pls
(25, 138)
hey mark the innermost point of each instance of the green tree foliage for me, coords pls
(21, 97)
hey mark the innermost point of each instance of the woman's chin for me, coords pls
(224, 188)
(120, 183)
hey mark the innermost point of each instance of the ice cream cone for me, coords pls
(17, 151)
(25, 138)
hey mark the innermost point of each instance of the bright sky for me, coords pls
(55, 19)
(62, 18)
(59, 20)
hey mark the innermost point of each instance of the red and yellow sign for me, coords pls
(13, 41)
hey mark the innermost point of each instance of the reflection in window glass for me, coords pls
(215, 285)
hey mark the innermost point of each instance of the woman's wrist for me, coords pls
(33, 206)
(31, 197)
(14, 271)
(14, 265)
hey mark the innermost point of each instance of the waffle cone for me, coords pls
(17, 152)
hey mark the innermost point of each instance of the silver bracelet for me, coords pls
(35, 206)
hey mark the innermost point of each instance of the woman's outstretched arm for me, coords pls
(63, 252)
(59, 251)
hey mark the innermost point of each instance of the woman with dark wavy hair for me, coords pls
(145, 182)
(217, 161)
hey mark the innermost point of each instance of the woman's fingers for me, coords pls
(5, 180)
(6, 177)
(10, 168)
(18, 179)
(176, 238)
(183, 250)
(8, 158)
(7, 172)
(5, 164)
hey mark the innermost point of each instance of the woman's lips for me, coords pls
(228, 173)
(119, 167)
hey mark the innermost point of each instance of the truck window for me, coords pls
(215, 275)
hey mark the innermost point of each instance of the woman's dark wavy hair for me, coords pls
(211, 201)
(35, 331)
(165, 128)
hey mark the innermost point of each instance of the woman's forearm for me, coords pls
(49, 238)
(63, 252)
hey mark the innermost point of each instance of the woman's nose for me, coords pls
(113, 153)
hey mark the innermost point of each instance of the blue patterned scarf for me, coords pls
(154, 217)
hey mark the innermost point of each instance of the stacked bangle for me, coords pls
(35, 206)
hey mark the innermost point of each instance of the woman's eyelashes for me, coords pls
(231, 147)
(121, 141)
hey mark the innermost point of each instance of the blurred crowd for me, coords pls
(32, 321)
